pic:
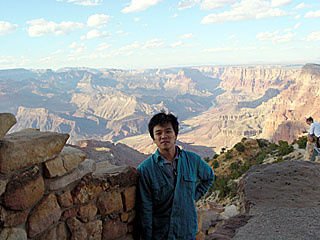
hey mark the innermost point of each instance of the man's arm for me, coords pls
(205, 176)
(145, 206)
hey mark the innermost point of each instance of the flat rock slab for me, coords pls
(286, 184)
(26, 148)
(7, 120)
(281, 223)
(283, 201)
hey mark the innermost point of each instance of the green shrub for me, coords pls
(221, 184)
(233, 189)
(234, 166)
(262, 143)
(284, 148)
(272, 147)
(302, 142)
(215, 164)
(215, 156)
(229, 154)
(260, 157)
(240, 147)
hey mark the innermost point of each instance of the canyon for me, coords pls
(216, 105)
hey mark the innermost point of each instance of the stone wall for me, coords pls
(51, 191)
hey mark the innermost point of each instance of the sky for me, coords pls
(138, 34)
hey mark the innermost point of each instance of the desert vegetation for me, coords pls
(233, 163)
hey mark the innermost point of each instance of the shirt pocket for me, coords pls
(190, 184)
(161, 190)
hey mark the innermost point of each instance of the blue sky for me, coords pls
(135, 34)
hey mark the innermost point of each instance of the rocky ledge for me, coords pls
(278, 201)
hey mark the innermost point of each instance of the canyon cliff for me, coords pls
(216, 105)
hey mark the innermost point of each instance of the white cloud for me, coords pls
(174, 15)
(134, 45)
(73, 45)
(176, 44)
(136, 19)
(6, 27)
(287, 30)
(154, 43)
(247, 48)
(40, 27)
(231, 36)
(215, 4)
(297, 17)
(139, 5)
(302, 5)
(97, 34)
(284, 38)
(212, 50)
(187, 36)
(187, 4)
(280, 3)
(245, 10)
(312, 37)
(58, 52)
(98, 20)
(84, 2)
(297, 25)
(103, 46)
(267, 35)
(275, 37)
(149, 44)
(77, 48)
(312, 14)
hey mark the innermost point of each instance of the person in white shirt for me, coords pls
(314, 133)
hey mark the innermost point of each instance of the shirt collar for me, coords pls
(159, 156)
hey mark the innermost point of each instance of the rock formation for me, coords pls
(217, 105)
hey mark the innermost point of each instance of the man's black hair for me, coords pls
(309, 119)
(163, 119)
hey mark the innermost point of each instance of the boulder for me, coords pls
(66, 161)
(13, 234)
(45, 214)
(7, 120)
(25, 190)
(26, 148)
(83, 169)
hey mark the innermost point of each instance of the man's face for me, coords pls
(309, 122)
(164, 137)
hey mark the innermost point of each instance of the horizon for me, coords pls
(145, 34)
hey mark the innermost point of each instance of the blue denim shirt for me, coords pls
(167, 211)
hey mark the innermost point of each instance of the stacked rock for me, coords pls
(51, 191)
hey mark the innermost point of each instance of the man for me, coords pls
(169, 183)
(314, 134)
